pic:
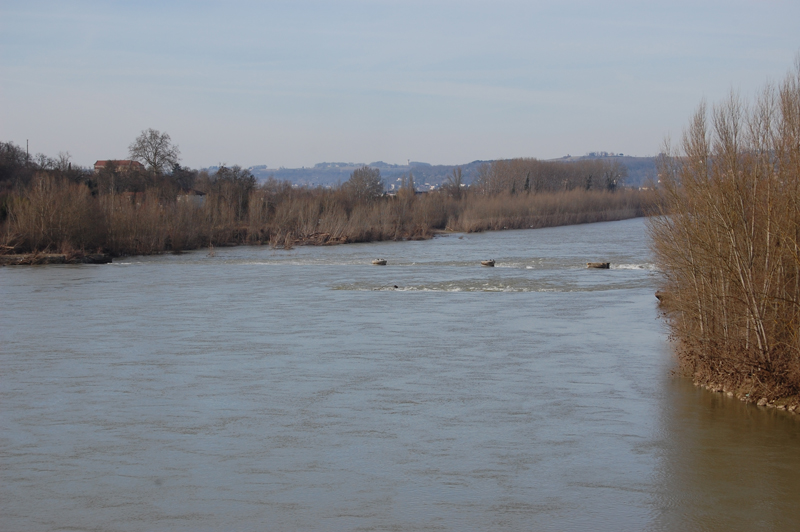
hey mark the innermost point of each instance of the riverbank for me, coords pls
(56, 215)
(31, 259)
(744, 393)
(755, 385)
(729, 249)
(496, 223)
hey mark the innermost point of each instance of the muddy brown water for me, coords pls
(258, 389)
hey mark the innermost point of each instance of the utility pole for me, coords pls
(27, 155)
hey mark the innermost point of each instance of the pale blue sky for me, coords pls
(446, 82)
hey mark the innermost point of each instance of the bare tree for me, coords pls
(234, 184)
(728, 244)
(365, 184)
(454, 183)
(614, 174)
(155, 150)
(62, 162)
(43, 161)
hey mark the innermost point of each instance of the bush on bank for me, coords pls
(730, 246)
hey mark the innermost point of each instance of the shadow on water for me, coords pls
(725, 465)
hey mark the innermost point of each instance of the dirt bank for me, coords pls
(53, 258)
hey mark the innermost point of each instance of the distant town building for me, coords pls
(602, 154)
(123, 165)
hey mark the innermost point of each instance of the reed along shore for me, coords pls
(120, 212)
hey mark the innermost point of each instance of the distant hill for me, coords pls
(428, 176)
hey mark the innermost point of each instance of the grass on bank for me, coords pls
(54, 214)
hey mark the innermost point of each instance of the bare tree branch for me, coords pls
(155, 150)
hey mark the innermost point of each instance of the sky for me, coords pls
(295, 83)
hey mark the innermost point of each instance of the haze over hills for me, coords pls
(428, 176)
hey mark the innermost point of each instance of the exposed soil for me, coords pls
(28, 259)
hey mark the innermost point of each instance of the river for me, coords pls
(306, 389)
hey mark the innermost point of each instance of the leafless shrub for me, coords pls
(514, 211)
(728, 241)
(53, 213)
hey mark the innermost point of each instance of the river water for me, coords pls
(259, 389)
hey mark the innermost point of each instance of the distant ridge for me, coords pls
(428, 176)
(328, 174)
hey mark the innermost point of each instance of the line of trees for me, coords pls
(51, 206)
(730, 246)
(532, 175)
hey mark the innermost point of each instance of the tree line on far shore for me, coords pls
(49, 205)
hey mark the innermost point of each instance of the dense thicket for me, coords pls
(138, 211)
(730, 245)
(532, 175)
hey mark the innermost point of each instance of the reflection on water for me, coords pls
(726, 465)
(300, 390)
